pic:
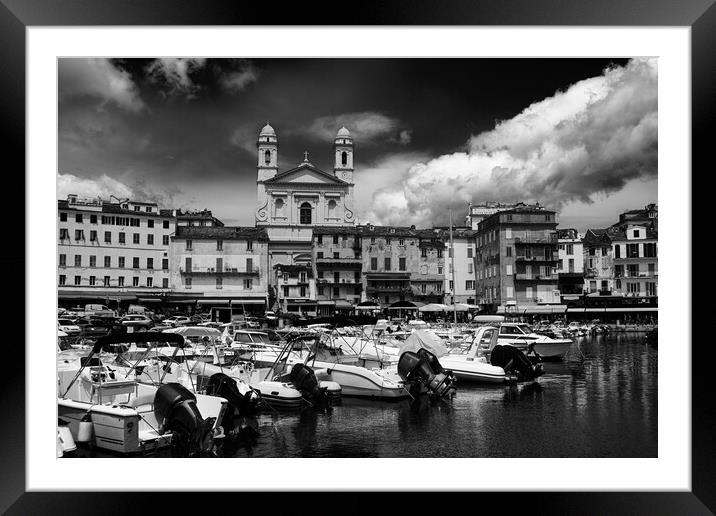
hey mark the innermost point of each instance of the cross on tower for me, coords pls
(305, 156)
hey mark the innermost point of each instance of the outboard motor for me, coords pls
(423, 368)
(514, 361)
(239, 404)
(176, 411)
(304, 379)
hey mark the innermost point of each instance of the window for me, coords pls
(107, 261)
(591, 251)
(219, 282)
(165, 224)
(135, 281)
(150, 222)
(249, 245)
(650, 288)
(423, 288)
(451, 285)
(165, 239)
(150, 239)
(469, 252)
(632, 251)
(336, 292)
(78, 280)
(165, 282)
(508, 251)
(319, 256)
(510, 292)
(423, 253)
(219, 245)
(636, 233)
(372, 240)
(187, 282)
(302, 292)
(633, 288)
(374, 264)
(440, 253)
(387, 241)
(305, 213)
(650, 250)
(93, 261)
(320, 291)
(605, 251)
(106, 281)
(401, 242)
(93, 236)
(344, 158)
(187, 264)
(219, 264)
(633, 270)
(267, 157)
(150, 263)
(335, 239)
(135, 238)
(137, 208)
(508, 232)
(652, 269)
(440, 270)
(165, 264)
(469, 284)
(617, 251)
(285, 277)
(135, 262)
(249, 265)
(79, 234)
(570, 249)
(93, 281)
(188, 244)
(286, 291)
(122, 238)
(619, 284)
(571, 265)
(605, 284)
(302, 277)
(120, 281)
(63, 260)
(78, 218)
(319, 239)
(63, 217)
(120, 262)
(387, 264)
(63, 279)
(93, 219)
(64, 233)
(618, 271)
(336, 277)
(401, 263)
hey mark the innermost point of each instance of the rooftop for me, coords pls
(221, 233)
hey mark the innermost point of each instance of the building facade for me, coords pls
(461, 285)
(295, 289)
(220, 266)
(570, 265)
(516, 256)
(337, 267)
(598, 262)
(112, 251)
(478, 212)
(636, 261)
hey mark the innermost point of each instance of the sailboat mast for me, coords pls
(452, 270)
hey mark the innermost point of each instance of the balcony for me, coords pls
(331, 281)
(227, 271)
(535, 277)
(642, 274)
(536, 239)
(324, 263)
(523, 258)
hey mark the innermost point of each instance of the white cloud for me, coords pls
(365, 127)
(175, 74)
(591, 139)
(98, 78)
(103, 187)
(237, 80)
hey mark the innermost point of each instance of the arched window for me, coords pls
(331, 208)
(267, 157)
(344, 158)
(305, 213)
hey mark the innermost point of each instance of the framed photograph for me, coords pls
(418, 253)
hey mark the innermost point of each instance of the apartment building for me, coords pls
(337, 267)
(389, 256)
(570, 264)
(295, 289)
(636, 261)
(598, 262)
(462, 287)
(516, 257)
(114, 251)
(220, 266)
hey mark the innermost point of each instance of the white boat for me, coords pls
(127, 416)
(473, 365)
(522, 337)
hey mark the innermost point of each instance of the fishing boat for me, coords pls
(522, 336)
(121, 414)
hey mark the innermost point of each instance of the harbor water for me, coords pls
(601, 401)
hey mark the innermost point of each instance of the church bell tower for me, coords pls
(267, 150)
(343, 152)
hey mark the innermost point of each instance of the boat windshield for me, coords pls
(242, 337)
(258, 337)
(525, 328)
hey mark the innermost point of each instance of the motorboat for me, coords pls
(65, 443)
(517, 365)
(121, 414)
(473, 366)
(332, 362)
(420, 368)
(523, 337)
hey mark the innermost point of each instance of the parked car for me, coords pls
(137, 321)
(94, 327)
(69, 327)
(176, 320)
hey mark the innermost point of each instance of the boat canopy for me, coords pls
(106, 342)
(424, 339)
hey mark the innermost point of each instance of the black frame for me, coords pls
(700, 15)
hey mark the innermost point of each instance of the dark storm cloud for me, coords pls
(184, 130)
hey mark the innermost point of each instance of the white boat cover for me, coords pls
(424, 339)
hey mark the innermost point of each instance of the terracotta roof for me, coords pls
(221, 232)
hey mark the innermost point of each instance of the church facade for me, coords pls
(292, 202)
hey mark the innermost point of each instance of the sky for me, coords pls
(577, 135)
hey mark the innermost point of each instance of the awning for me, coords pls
(434, 307)
(233, 302)
(326, 303)
(342, 303)
(114, 296)
(403, 305)
(577, 310)
(149, 300)
(534, 309)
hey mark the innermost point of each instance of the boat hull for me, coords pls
(473, 371)
(359, 382)
(552, 350)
